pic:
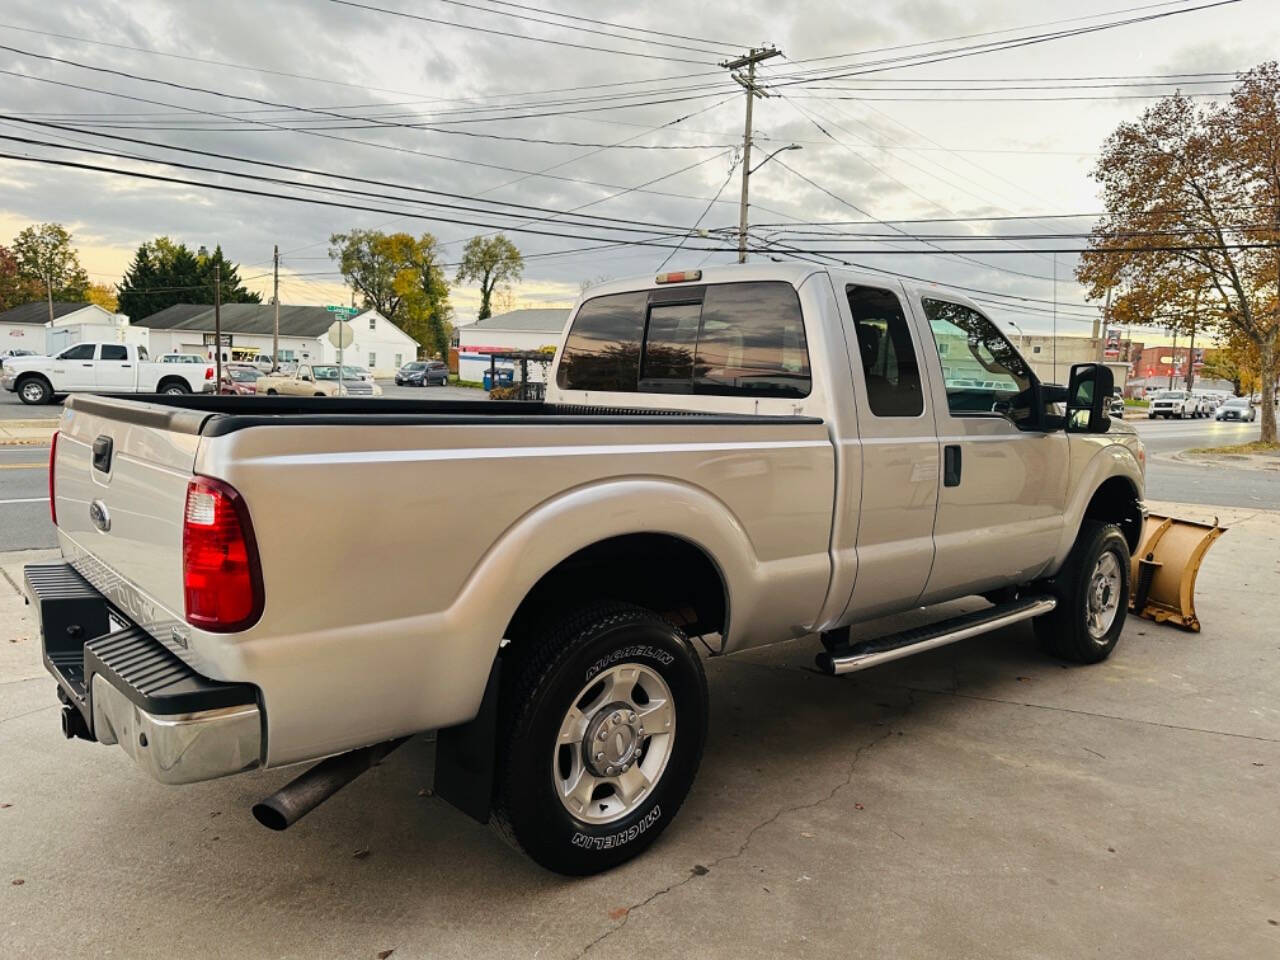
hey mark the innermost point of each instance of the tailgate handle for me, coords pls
(102, 454)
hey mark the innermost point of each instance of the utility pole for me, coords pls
(217, 325)
(275, 298)
(748, 83)
(1106, 321)
(48, 288)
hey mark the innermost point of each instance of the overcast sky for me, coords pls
(903, 155)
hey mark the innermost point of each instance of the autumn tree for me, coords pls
(1192, 229)
(15, 289)
(104, 295)
(49, 263)
(491, 262)
(401, 277)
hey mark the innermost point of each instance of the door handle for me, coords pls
(951, 465)
(86, 364)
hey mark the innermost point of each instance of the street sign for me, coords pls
(340, 334)
(347, 312)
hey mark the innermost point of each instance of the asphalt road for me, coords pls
(24, 511)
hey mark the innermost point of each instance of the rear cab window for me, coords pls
(730, 339)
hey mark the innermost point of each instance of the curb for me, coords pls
(1263, 464)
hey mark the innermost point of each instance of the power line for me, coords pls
(620, 26)
(342, 83)
(625, 226)
(570, 26)
(973, 50)
(518, 36)
(395, 148)
(697, 223)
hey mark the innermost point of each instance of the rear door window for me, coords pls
(732, 339)
(889, 365)
(114, 351)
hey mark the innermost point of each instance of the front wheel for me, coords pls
(34, 391)
(601, 728)
(1093, 596)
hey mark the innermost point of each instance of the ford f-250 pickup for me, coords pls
(747, 454)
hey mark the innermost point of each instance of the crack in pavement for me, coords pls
(751, 834)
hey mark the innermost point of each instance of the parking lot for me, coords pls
(977, 801)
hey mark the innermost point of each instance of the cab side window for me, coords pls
(81, 351)
(889, 365)
(982, 371)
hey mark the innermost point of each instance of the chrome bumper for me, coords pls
(183, 748)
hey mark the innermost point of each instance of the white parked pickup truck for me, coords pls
(101, 368)
(744, 454)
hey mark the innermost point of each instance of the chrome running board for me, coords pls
(870, 653)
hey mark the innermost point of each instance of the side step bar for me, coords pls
(870, 653)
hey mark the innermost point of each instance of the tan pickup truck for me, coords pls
(744, 454)
(317, 380)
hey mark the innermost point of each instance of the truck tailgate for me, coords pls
(120, 518)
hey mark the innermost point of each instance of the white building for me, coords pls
(28, 328)
(507, 332)
(247, 332)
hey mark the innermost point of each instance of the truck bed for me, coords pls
(398, 537)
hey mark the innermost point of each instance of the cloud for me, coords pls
(361, 62)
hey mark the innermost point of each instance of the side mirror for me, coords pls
(1088, 397)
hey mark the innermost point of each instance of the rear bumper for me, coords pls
(131, 690)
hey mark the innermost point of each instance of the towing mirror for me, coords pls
(1088, 394)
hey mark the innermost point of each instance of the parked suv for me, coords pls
(423, 373)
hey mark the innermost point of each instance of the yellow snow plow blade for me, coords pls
(1165, 567)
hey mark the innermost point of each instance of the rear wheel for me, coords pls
(601, 728)
(173, 387)
(1093, 596)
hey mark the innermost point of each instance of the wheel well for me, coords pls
(1116, 501)
(660, 572)
(170, 381)
(32, 375)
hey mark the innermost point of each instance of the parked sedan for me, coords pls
(1237, 408)
(422, 373)
(240, 380)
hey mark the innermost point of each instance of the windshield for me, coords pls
(244, 375)
(326, 372)
(1170, 395)
(1238, 402)
(415, 366)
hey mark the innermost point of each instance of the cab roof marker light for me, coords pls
(679, 276)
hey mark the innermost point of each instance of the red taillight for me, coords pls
(208, 373)
(53, 459)
(221, 576)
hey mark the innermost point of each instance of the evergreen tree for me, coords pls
(164, 273)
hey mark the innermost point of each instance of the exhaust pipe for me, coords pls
(303, 794)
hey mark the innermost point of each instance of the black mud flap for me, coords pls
(465, 755)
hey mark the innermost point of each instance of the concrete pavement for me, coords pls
(978, 801)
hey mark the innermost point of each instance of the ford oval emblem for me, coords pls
(98, 514)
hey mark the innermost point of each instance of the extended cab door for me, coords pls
(115, 371)
(900, 459)
(1003, 488)
(72, 369)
